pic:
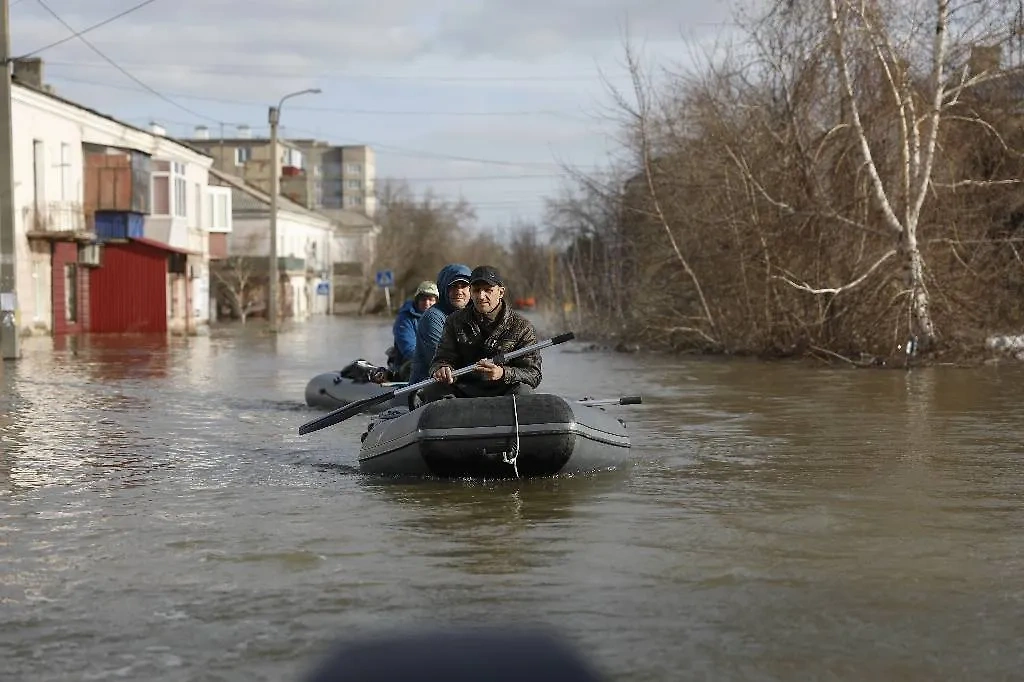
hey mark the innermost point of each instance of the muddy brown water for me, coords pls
(160, 519)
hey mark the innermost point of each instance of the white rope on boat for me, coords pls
(511, 457)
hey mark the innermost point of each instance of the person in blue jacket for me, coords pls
(453, 285)
(409, 316)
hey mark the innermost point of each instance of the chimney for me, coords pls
(29, 72)
(202, 133)
(157, 129)
(244, 132)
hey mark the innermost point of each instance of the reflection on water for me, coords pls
(496, 527)
(162, 520)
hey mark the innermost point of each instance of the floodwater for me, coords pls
(161, 520)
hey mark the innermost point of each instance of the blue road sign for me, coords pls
(323, 288)
(385, 278)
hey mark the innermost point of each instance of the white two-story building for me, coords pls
(112, 222)
(304, 250)
(321, 255)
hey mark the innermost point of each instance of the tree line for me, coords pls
(843, 181)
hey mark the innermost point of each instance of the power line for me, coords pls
(419, 153)
(337, 110)
(397, 150)
(119, 67)
(79, 34)
(394, 149)
(247, 69)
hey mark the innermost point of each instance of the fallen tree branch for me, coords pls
(691, 330)
(837, 290)
(977, 183)
(837, 356)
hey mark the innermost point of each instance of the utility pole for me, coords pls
(275, 190)
(9, 341)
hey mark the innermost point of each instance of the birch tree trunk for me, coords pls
(901, 205)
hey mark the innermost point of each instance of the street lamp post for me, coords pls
(275, 190)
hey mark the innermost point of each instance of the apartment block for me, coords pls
(314, 173)
(346, 174)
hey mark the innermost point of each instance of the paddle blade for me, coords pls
(562, 338)
(344, 412)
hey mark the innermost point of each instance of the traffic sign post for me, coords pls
(386, 280)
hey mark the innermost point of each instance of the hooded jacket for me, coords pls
(428, 331)
(404, 331)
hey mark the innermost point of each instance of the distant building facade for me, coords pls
(313, 173)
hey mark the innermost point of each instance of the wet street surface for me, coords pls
(160, 518)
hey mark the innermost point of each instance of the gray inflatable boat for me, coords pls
(332, 390)
(504, 437)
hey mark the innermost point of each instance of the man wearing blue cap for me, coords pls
(485, 327)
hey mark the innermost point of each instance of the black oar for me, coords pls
(624, 400)
(352, 409)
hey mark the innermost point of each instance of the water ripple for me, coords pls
(160, 518)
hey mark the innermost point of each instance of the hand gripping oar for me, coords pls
(352, 409)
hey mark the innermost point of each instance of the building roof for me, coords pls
(164, 247)
(247, 197)
(209, 141)
(46, 93)
(348, 218)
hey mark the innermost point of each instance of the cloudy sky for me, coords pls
(483, 99)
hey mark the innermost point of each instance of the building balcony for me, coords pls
(285, 264)
(116, 180)
(57, 220)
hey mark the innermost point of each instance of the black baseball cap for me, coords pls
(485, 273)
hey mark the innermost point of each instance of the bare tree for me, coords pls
(241, 282)
(240, 285)
(423, 233)
(846, 181)
(898, 41)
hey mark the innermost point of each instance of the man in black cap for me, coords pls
(478, 332)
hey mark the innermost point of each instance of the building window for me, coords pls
(170, 190)
(161, 188)
(353, 184)
(180, 191)
(38, 277)
(218, 209)
(242, 154)
(71, 292)
(353, 201)
(292, 158)
(199, 205)
(65, 172)
(39, 176)
(354, 168)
